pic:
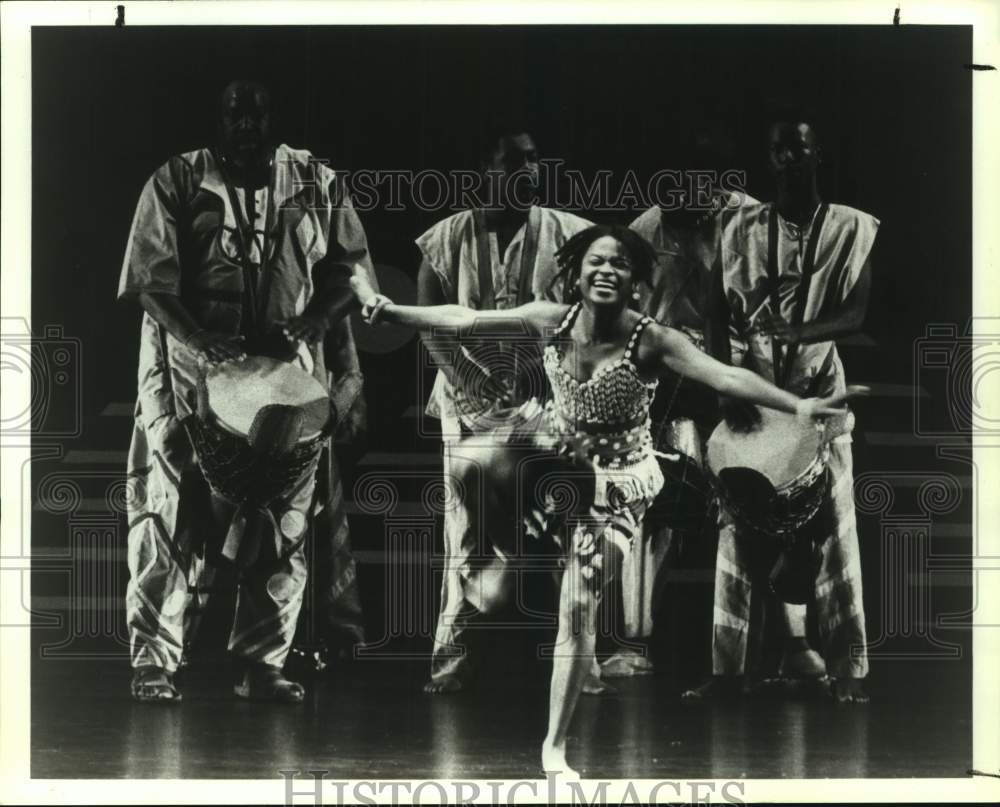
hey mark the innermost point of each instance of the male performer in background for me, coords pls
(685, 229)
(497, 256)
(820, 254)
(242, 249)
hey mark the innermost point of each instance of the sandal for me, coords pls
(154, 685)
(262, 682)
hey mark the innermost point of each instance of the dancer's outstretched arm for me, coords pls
(673, 352)
(530, 319)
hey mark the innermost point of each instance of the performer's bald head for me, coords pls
(245, 121)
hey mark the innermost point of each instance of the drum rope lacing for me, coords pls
(236, 471)
(795, 501)
(238, 474)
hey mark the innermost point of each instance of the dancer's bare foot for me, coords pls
(554, 762)
(849, 690)
(445, 685)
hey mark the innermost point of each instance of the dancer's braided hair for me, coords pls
(569, 257)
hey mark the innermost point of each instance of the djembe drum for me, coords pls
(258, 433)
(773, 481)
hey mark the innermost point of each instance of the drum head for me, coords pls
(237, 391)
(780, 449)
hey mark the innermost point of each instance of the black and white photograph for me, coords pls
(500, 403)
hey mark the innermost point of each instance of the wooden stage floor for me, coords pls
(369, 720)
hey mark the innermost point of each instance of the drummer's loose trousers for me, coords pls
(169, 575)
(837, 600)
(454, 653)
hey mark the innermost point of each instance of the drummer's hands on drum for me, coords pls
(214, 347)
(832, 406)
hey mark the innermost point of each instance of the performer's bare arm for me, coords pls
(845, 319)
(442, 346)
(534, 318)
(667, 350)
(169, 312)
(362, 288)
(332, 300)
(348, 262)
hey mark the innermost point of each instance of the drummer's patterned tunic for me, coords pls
(184, 242)
(843, 246)
(679, 295)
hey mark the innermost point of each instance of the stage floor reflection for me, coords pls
(370, 720)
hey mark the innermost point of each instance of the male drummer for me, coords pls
(685, 228)
(498, 255)
(820, 254)
(241, 249)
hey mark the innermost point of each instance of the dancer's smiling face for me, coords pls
(606, 273)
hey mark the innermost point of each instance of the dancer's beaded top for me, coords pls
(612, 406)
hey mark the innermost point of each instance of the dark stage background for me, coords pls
(893, 106)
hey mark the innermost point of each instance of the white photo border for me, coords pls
(15, 203)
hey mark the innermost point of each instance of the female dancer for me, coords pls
(603, 361)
